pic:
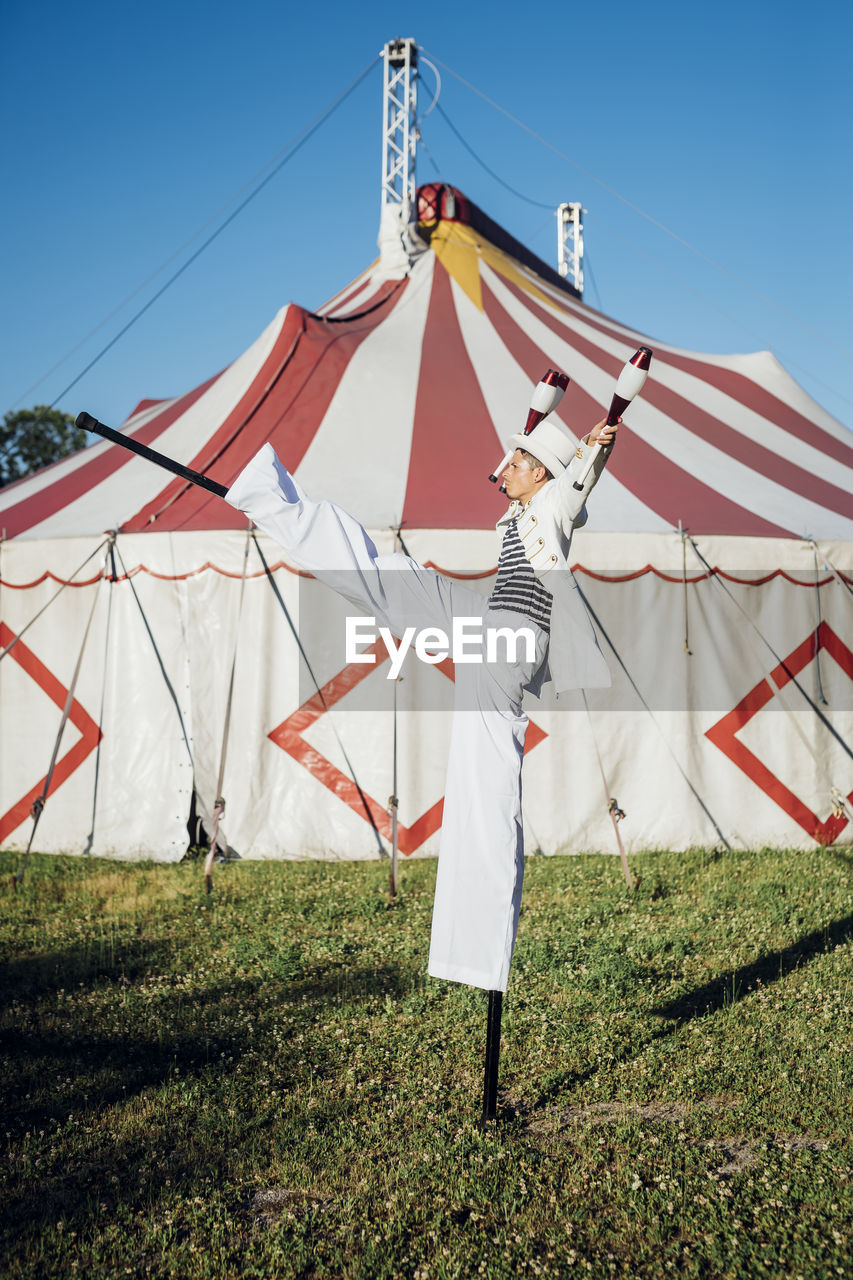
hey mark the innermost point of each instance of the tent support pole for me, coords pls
(394, 804)
(493, 1050)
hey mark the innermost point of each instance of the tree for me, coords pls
(31, 438)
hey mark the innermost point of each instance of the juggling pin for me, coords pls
(547, 394)
(628, 385)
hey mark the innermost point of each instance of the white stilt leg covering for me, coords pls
(481, 863)
(481, 866)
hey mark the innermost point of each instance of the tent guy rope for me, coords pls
(654, 718)
(41, 800)
(111, 580)
(616, 814)
(655, 222)
(319, 693)
(10, 646)
(769, 673)
(219, 800)
(292, 149)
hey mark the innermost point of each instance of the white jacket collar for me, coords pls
(516, 507)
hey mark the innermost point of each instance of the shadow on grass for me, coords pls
(720, 993)
(195, 1028)
(732, 985)
(137, 1171)
(104, 1070)
(26, 978)
(98, 1073)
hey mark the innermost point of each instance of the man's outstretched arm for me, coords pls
(570, 501)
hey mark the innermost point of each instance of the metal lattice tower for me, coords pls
(570, 244)
(399, 135)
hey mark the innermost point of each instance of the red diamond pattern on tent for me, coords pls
(289, 735)
(90, 734)
(724, 733)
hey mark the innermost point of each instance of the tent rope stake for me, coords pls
(616, 814)
(394, 799)
(219, 803)
(635, 687)
(394, 803)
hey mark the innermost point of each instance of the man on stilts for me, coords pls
(481, 863)
(481, 867)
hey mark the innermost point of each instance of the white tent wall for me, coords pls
(284, 798)
(144, 776)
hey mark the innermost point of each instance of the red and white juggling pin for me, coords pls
(547, 394)
(628, 385)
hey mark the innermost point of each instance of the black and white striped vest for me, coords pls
(517, 588)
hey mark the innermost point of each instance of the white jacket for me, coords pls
(545, 525)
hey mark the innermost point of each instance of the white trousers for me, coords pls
(481, 862)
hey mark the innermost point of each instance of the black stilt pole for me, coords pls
(87, 423)
(493, 1051)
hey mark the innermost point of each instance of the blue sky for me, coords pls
(128, 127)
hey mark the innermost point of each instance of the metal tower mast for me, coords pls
(570, 244)
(399, 112)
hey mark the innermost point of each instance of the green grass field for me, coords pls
(264, 1083)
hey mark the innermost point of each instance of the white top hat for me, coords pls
(553, 446)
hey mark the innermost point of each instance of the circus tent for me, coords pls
(716, 563)
(440, 356)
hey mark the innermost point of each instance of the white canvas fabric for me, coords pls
(664, 761)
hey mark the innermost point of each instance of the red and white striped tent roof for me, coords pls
(397, 396)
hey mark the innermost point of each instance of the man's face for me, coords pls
(520, 479)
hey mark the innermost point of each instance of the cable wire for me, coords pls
(842, 582)
(613, 810)
(292, 149)
(481, 162)
(636, 208)
(709, 302)
(587, 266)
(111, 580)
